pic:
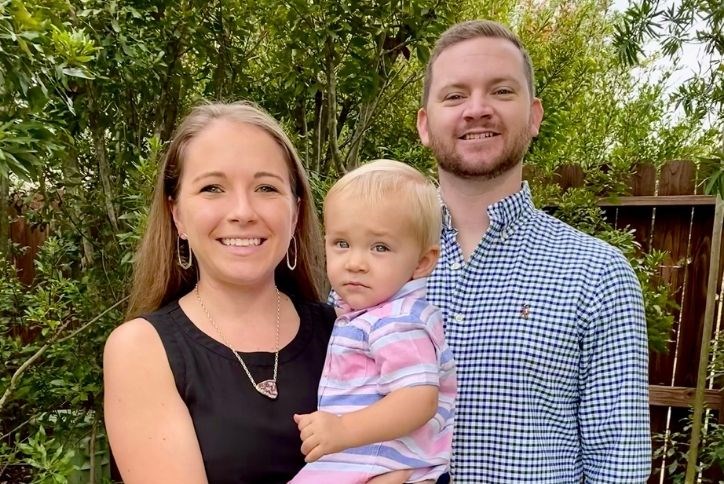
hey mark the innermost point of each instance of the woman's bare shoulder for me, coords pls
(136, 337)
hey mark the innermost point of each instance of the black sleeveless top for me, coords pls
(244, 436)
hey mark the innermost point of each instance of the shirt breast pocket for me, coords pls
(547, 342)
(349, 361)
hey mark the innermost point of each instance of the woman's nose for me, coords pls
(243, 209)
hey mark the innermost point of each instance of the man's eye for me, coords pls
(212, 189)
(453, 97)
(503, 91)
(380, 248)
(342, 244)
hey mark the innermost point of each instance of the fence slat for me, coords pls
(695, 302)
(643, 180)
(677, 177)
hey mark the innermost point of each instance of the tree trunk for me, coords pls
(72, 182)
(99, 147)
(333, 153)
(4, 217)
(167, 109)
(317, 146)
(219, 79)
(351, 161)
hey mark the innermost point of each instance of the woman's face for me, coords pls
(235, 203)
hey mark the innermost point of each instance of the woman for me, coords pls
(229, 259)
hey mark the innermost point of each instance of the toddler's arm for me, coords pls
(398, 414)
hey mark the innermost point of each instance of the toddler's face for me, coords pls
(371, 250)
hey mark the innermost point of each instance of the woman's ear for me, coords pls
(427, 262)
(173, 207)
(295, 218)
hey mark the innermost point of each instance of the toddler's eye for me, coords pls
(341, 244)
(380, 248)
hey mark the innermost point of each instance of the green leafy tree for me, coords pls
(340, 64)
(689, 22)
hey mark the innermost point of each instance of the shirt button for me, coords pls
(459, 317)
(455, 266)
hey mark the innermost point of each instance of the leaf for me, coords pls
(37, 98)
(76, 72)
(423, 53)
(714, 185)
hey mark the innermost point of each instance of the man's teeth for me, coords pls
(241, 242)
(478, 135)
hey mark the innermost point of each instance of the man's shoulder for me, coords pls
(559, 237)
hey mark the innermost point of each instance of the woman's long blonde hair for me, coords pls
(158, 279)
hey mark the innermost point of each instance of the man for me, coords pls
(546, 324)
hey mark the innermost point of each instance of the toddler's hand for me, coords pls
(322, 433)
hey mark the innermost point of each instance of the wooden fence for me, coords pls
(668, 212)
(28, 236)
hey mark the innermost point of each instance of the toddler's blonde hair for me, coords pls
(393, 180)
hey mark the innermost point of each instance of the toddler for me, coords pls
(387, 392)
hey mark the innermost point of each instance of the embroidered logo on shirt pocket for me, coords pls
(525, 311)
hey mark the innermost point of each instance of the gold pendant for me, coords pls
(268, 388)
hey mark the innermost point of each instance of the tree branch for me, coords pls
(332, 103)
(55, 338)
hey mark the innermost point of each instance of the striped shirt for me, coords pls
(547, 328)
(371, 353)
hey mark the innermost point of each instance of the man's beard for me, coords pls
(450, 161)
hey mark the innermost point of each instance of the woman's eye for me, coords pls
(380, 248)
(212, 189)
(267, 189)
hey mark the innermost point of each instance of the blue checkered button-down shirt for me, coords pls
(548, 332)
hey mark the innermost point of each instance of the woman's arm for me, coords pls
(397, 414)
(149, 426)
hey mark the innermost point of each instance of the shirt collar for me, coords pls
(415, 288)
(502, 213)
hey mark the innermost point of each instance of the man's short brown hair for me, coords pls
(473, 29)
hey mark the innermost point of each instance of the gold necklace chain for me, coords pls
(268, 388)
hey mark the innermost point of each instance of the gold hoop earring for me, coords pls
(184, 264)
(291, 265)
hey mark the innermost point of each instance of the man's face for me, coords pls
(480, 117)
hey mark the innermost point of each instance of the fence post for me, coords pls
(705, 342)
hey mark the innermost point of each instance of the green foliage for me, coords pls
(681, 23)
(337, 66)
(716, 368)
(674, 447)
(52, 461)
(690, 22)
(38, 64)
(713, 169)
(63, 391)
